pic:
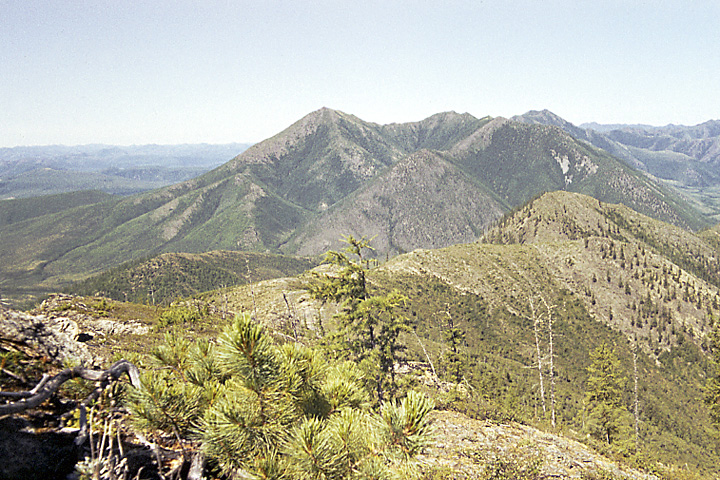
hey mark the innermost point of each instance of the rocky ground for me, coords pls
(62, 332)
(466, 447)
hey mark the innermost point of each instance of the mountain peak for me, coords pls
(452, 167)
(282, 143)
(320, 115)
(543, 117)
(450, 115)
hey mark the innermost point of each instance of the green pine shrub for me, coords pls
(259, 409)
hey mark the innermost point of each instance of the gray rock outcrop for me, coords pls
(54, 340)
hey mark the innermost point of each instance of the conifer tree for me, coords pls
(369, 326)
(604, 395)
(454, 337)
(712, 387)
(164, 403)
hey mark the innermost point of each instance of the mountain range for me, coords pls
(427, 184)
(491, 224)
(683, 157)
(121, 170)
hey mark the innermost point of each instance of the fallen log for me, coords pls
(46, 387)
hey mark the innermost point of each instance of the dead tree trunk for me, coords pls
(535, 318)
(536, 324)
(635, 406)
(552, 359)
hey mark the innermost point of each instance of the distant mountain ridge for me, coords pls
(432, 183)
(43, 170)
(608, 127)
(699, 142)
(86, 157)
(685, 157)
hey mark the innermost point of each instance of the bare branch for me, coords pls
(13, 375)
(550, 309)
(435, 377)
(36, 396)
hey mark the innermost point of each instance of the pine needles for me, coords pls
(263, 410)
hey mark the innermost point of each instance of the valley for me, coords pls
(120, 170)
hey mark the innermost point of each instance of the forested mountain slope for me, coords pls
(684, 157)
(432, 183)
(507, 328)
(165, 278)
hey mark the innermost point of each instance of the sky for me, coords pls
(137, 72)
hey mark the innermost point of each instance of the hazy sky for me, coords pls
(158, 71)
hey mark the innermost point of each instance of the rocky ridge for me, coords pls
(63, 331)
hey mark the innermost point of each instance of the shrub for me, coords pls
(265, 410)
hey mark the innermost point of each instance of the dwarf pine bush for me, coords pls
(263, 410)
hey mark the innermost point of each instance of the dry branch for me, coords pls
(47, 387)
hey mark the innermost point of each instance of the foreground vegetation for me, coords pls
(262, 410)
(249, 392)
(520, 348)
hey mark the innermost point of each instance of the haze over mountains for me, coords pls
(122, 170)
(427, 184)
